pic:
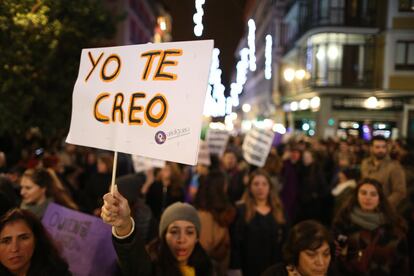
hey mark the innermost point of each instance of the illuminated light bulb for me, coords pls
(315, 102)
(300, 74)
(246, 108)
(289, 74)
(304, 104)
(371, 102)
(333, 52)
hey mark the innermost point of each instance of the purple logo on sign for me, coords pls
(160, 137)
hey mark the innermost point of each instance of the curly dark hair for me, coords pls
(306, 235)
(46, 259)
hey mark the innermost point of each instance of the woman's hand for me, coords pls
(116, 212)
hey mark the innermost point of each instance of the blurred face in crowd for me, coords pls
(295, 155)
(202, 169)
(368, 197)
(31, 192)
(17, 245)
(101, 166)
(229, 160)
(307, 158)
(314, 262)
(165, 173)
(379, 149)
(181, 238)
(260, 188)
(342, 177)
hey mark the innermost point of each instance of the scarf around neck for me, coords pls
(368, 221)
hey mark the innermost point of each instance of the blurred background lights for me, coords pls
(246, 107)
(371, 102)
(198, 18)
(304, 104)
(333, 52)
(300, 74)
(279, 128)
(315, 102)
(289, 74)
(268, 57)
(251, 42)
(294, 106)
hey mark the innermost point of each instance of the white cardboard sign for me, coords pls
(141, 163)
(204, 154)
(256, 146)
(142, 99)
(217, 141)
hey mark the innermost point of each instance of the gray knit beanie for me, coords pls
(179, 211)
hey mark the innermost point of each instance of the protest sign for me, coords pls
(85, 241)
(204, 154)
(142, 163)
(217, 141)
(142, 99)
(256, 146)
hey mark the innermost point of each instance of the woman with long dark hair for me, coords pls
(370, 235)
(216, 214)
(26, 248)
(176, 251)
(259, 229)
(165, 190)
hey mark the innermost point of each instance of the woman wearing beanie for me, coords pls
(370, 236)
(176, 251)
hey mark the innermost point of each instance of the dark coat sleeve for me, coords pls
(236, 238)
(132, 256)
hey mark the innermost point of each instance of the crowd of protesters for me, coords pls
(317, 207)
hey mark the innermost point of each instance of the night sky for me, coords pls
(223, 22)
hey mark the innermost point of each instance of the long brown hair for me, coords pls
(54, 189)
(390, 215)
(211, 197)
(176, 179)
(273, 200)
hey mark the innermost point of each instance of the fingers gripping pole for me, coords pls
(114, 172)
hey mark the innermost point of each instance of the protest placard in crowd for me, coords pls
(217, 140)
(142, 163)
(142, 99)
(204, 154)
(85, 241)
(256, 146)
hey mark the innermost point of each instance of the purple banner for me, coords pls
(84, 241)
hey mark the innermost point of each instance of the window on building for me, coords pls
(406, 5)
(337, 59)
(404, 55)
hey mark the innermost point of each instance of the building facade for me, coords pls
(348, 67)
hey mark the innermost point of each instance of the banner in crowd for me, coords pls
(256, 146)
(142, 99)
(217, 141)
(85, 241)
(204, 154)
(141, 163)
